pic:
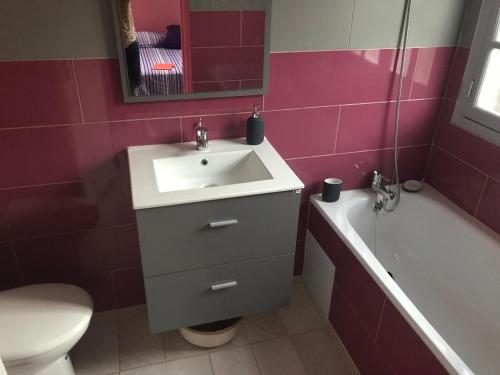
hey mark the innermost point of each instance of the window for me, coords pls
(478, 106)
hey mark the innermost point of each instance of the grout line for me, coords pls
(19, 187)
(357, 152)
(380, 320)
(78, 90)
(433, 142)
(480, 196)
(362, 49)
(59, 234)
(337, 132)
(459, 159)
(254, 356)
(414, 73)
(140, 119)
(182, 132)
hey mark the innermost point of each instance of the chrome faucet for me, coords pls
(384, 193)
(201, 137)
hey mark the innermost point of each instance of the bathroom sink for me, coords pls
(165, 175)
(211, 170)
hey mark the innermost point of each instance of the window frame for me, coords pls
(466, 114)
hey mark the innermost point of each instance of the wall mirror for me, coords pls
(190, 49)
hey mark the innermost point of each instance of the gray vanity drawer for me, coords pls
(179, 238)
(186, 298)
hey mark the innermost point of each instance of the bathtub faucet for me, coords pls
(384, 193)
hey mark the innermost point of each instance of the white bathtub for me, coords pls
(446, 268)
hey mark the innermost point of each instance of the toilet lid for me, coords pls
(38, 318)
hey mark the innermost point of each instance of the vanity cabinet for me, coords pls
(217, 259)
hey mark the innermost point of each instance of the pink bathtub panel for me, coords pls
(362, 348)
(402, 347)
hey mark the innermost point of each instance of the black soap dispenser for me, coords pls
(255, 128)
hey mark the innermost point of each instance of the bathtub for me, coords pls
(446, 270)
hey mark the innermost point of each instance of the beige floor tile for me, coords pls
(298, 282)
(320, 354)
(277, 357)
(199, 365)
(158, 369)
(300, 315)
(239, 340)
(176, 347)
(97, 352)
(236, 361)
(264, 326)
(138, 347)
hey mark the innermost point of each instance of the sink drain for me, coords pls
(204, 162)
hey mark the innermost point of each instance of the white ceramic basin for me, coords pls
(165, 175)
(210, 170)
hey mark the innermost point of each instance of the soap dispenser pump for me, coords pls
(255, 128)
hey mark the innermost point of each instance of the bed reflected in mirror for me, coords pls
(175, 49)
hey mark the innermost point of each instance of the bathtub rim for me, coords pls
(336, 215)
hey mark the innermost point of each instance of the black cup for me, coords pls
(331, 189)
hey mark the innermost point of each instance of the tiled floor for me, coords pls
(295, 340)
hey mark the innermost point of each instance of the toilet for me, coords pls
(39, 325)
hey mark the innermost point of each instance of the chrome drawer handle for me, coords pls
(223, 223)
(229, 284)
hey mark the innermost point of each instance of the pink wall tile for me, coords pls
(489, 207)
(404, 350)
(219, 127)
(44, 210)
(227, 64)
(102, 100)
(457, 73)
(129, 286)
(475, 151)
(53, 154)
(253, 28)
(338, 77)
(10, 276)
(456, 180)
(432, 72)
(413, 162)
(371, 126)
(302, 132)
(99, 286)
(147, 132)
(215, 28)
(78, 254)
(362, 348)
(38, 93)
(354, 169)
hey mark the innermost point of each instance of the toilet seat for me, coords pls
(38, 318)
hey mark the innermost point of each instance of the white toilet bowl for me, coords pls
(39, 324)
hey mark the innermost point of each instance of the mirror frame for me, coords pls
(202, 95)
